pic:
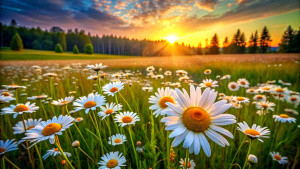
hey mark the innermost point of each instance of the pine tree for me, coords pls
(58, 48)
(16, 43)
(75, 50)
(214, 45)
(199, 49)
(265, 40)
(287, 37)
(225, 45)
(89, 49)
(242, 45)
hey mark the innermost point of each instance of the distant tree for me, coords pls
(75, 50)
(89, 49)
(13, 23)
(225, 45)
(58, 48)
(206, 49)
(56, 29)
(242, 44)
(214, 45)
(199, 49)
(265, 40)
(253, 43)
(16, 43)
(289, 42)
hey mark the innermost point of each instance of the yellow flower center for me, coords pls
(208, 84)
(126, 119)
(233, 86)
(109, 111)
(56, 149)
(240, 99)
(264, 106)
(284, 116)
(293, 98)
(14, 85)
(188, 165)
(277, 157)
(196, 119)
(30, 127)
(51, 129)
(251, 90)
(266, 88)
(64, 102)
(95, 77)
(114, 89)
(21, 108)
(2, 150)
(252, 132)
(79, 119)
(112, 163)
(90, 104)
(259, 97)
(5, 93)
(207, 71)
(163, 100)
(243, 82)
(279, 90)
(118, 140)
(221, 94)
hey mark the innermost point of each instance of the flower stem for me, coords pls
(28, 151)
(63, 154)
(10, 162)
(247, 153)
(125, 102)
(88, 156)
(40, 158)
(237, 152)
(135, 153)
(186, 158)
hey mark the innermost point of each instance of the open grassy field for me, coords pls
(153, 151)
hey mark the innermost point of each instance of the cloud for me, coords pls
(207, 5)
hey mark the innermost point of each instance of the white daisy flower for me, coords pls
(191, 164)
(251, 91)
(62, 102)
(112, 160)
(209, 83)
(284, 83)
(7, 94)
(89, 103)
(197, 116)
(54, 152)
(116, 75)
(259, 97)
(237, 105)
(46, 130)
(159, 100)
(96, 67)
(126, 118)
(20, 109)
(294, 99)
(168, 73)
(266, 88)
(240, 99)
(112, 88)
(109, 109)
(226, 77)
(93, 77)
(147, 89)
(29, 124)
(6, 99)
(255, 132)
(181, 72)
(243, 83)
(207, 71)
(284, 118)
(291, 111)
(279, 90)
(277, 157)
(37, 97)
(265, 105)
(150, 69)
(50, 74)
(78, 119)
(159, 77)
(13, 86)
(7, 146)
(117, 139)
(233, 86)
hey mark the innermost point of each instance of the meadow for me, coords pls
(148, 144)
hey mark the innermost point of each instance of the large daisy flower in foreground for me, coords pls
(112, 160)
(284, 118)
(20, 109)
(116, 139)
(162, 96)
(209, 83)
(8, 145)
(96, 67)
(197, 116)
(29, 124)
(255, 132)
(48, 129)
(126, 118)
(54, 152)
(112, 88)
(277, 157)
(62, 102)
(90, 102)
(109, 109)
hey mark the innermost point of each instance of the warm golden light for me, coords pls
(171, 39)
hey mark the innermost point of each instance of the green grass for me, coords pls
(27, 54)
(149, 130)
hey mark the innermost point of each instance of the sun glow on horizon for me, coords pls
(171, 39)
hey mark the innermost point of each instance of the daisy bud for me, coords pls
(139, 144)
(252, 159)
(75, 144)
(246, 142)
(63, 162)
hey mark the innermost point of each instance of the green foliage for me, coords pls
(290, 42)
(265, 40)
(89, 49)
(214, 45)
(58, 48)
(253, 43)
(16, 43)
(75, 49)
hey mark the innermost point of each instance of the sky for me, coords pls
(189, 21)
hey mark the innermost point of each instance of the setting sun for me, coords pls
(171, 39)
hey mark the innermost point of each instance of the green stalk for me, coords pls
(9, 162)
(99, 135)
(186, 158)
(63, 154)
(40, 158)
(237, 152)
(135, 153)
(88, 156)
(28, 151)
(247, 154)
(125, 102)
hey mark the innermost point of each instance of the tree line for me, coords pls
(79, 41)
